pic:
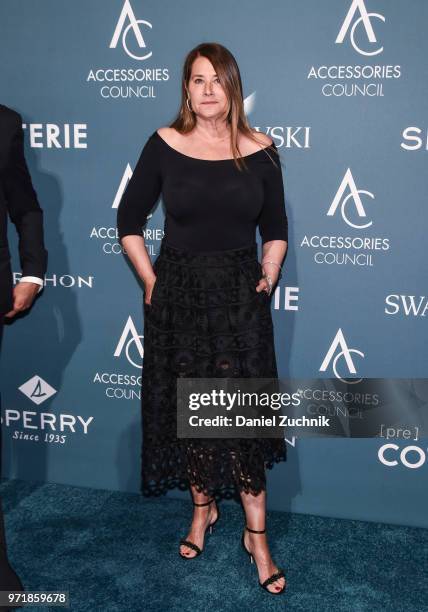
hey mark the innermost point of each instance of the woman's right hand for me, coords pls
(148, 290)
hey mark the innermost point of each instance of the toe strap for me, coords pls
(271, 579)
(190, 544)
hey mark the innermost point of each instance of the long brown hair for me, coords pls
(228, 73)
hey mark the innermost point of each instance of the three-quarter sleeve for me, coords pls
(273, 222)
(141, 193)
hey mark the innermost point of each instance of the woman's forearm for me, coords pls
(137, 253)
(275, 251)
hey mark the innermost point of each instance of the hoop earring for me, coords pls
(188, 105)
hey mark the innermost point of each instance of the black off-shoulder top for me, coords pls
(210, 204)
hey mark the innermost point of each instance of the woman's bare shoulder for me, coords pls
(263, 138)
(164, 131)
(170, 135)
(249, 146)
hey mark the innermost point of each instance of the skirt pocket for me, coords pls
(155, 286)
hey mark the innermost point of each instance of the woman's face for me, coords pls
(207, 97)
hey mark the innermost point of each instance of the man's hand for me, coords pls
(23, 296)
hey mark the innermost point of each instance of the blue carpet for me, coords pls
(118, 552)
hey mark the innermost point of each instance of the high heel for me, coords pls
(271, 579)
(190, 544)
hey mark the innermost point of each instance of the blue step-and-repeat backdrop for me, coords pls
(342, 88)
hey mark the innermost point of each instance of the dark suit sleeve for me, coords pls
(23, 207)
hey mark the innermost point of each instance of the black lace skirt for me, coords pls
(206, 319)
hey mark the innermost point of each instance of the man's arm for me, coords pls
(32, 279)
(27, 216)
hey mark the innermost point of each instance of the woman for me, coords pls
(207, 305)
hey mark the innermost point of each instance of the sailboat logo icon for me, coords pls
(37, 389)
(38, 393)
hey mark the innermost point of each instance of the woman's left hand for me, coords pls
(262, 286)
(272, 271)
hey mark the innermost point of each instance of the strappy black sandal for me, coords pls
(271, 579)
(190, 544)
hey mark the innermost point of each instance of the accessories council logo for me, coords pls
(360, 248)
(124, 385)
(354, 193)
(132, 39)
(359, 31)
(339, 342)
(356, 7)
(121, 32)
(130, 338)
